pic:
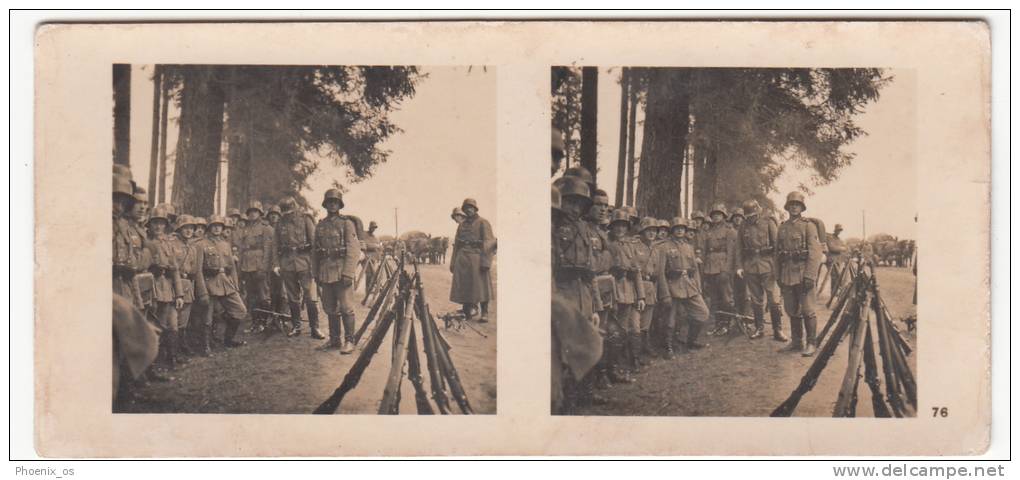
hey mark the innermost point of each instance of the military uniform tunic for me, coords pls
(335, 256)
(254, 245)
(294, 234)
(127, 260)
(219, 273)
(798, 256)
(680, 275)
(719, 262)
(757, 256)
(472, 258)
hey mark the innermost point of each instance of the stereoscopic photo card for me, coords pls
(344, 239)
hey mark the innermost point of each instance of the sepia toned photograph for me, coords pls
(751, 234)
(304, 239)
(714, 252)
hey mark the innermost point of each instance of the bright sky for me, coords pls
(447, 152)
(881, 182)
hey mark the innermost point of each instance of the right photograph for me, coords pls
(734, 241)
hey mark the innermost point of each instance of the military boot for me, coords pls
(667, 349)
(295, 320)
(759, 323)
(693, 331)
(614, 357)
(810, 328)
(777, 323)
(334, 332)
(797, 333)
(171, 349)
(203, 340)
(348, 323)
(484, 318)
(233, 324)
(313, 321)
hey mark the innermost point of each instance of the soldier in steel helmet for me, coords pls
(836, 256)
(576, 342)
(128, 243)
(648, 261)
(719, 264)
(254, 242)
(200, 227)
(798, 256)
(335, 264)
(220, 277)
(630, 298)
(168, 292)
(294, 235)
(189, 271)
(681, 277)
(373, 250)
(276, 293)
(472, 259)
(741, 301)
(757, 248)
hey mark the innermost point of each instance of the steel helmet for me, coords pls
(200, 221)
(557, 202)
(275, 209)
(795, 197)
(372, 225)
(457, 211)
(140, 194)
(184, 220)
(229, 222)
(580, 172)
(646, 223)
(838, 227)
(663, 224)
(678, 222)
(288, 204)
(736, 211)
(233, 212)
(213, 220)
(751, 207)
(575, 187)
(161, 211)
(469, 202)
(333, 194)
(253, 205)
(631, 212)
(122, 184)
(620, 215)
(698, 214)
(718, 207)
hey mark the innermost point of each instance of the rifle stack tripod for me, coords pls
(398, 302)
(861, 313)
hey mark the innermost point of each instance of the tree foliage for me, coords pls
(566, 110)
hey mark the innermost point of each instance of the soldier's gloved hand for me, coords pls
(809, 283)
(179, 303)
(740, 272)
(641, 305)
(346, 281)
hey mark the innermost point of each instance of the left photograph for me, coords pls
(302, 239)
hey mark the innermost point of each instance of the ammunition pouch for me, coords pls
(332, 252)
(298, 249)
(681, 273)
(126, 272)
(161, 271)
(793, 255)
(212, 272)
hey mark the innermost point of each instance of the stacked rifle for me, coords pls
(398, 303)
(861, 314)
(381, 271)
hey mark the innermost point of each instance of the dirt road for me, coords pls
(276, 374)
(741, 377)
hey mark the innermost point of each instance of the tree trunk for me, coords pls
(198, 144)
(667, 118)
(157, 87)
(122, 114)
(705, 175)
(589, 119)
(164, 115)
(239, 154)
(621, 169)
(631, 131)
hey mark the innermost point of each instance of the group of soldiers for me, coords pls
(176, 267)
(624, 286)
